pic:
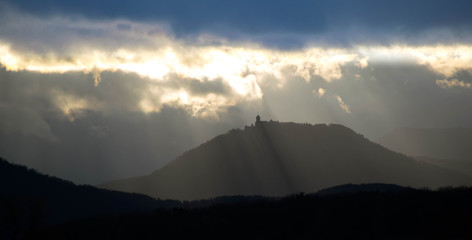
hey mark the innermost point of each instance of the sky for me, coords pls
(92, 91)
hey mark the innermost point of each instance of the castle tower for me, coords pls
(258, 120)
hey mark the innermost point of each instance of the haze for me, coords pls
(96, 91)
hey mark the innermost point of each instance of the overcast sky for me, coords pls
(92, 91)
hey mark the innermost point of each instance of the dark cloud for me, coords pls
(197, 87)
(217, 86)
(109, 139)
(280, 22)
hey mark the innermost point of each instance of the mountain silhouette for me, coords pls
(439, 143)
(363, 188)
(26, 195)
(462, 166)
(449, 148)
(276, 159)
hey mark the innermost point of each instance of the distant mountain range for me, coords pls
(449, 148)
(440, 143)
(276, 159)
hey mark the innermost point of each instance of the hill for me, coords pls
(276, 159)
(27, 196)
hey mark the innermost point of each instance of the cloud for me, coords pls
(96, 77)
(240, 70)
(446, 60)
(204, 77)
(320, 93)
(342, 104)
(452, 83)
(72, 106)
(279, 22)
(211, 77)
(204, 72)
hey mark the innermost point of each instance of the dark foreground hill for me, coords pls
(369, 211)
(28, 198)
(276, 159)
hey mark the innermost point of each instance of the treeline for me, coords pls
(371, 214)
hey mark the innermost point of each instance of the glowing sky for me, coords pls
(87, 79)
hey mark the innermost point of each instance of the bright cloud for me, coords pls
(70, 105)
(320, 93)
(446, 60)
(442, 59)
(241, 68)
(230, 63)
(342, 104)
(452, 83)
